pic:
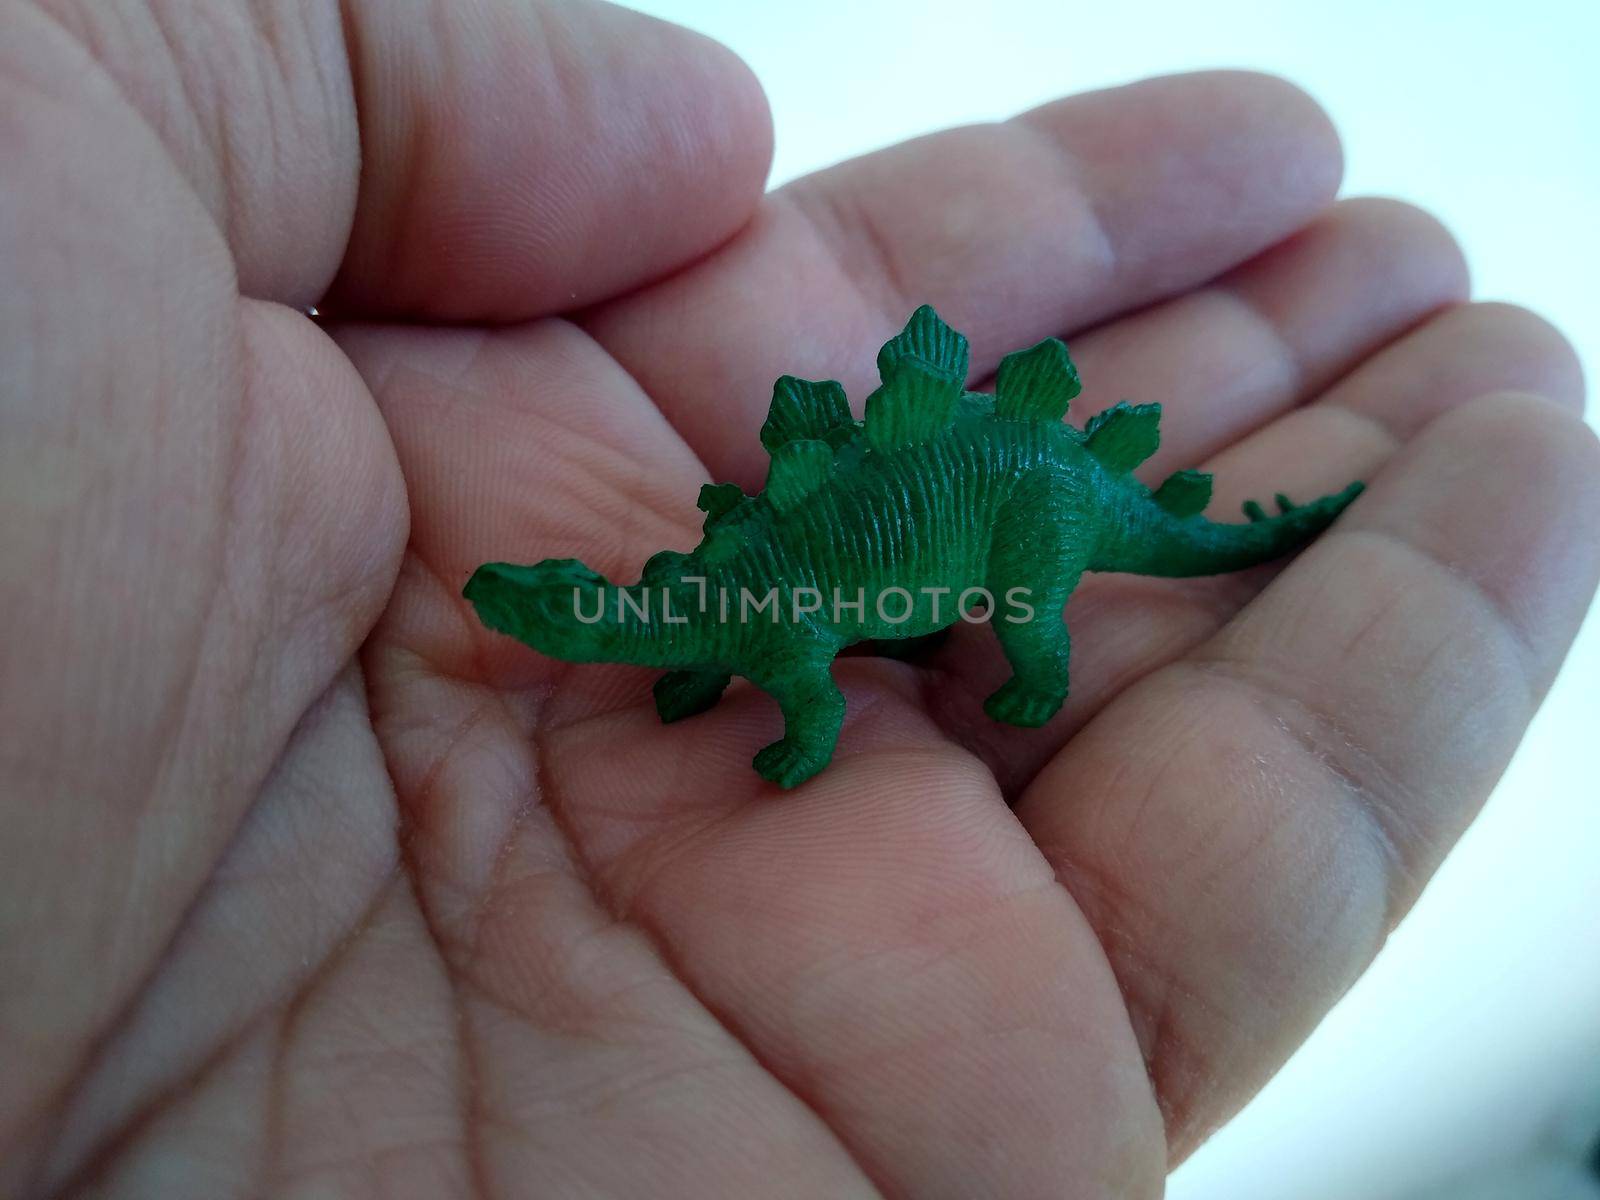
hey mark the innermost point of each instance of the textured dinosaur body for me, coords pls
(940, 502)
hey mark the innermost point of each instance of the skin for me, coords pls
(312, 886)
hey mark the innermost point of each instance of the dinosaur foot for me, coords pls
(1016, 703)
(787, 764)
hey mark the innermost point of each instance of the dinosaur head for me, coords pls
(559, 606)
(566, 610)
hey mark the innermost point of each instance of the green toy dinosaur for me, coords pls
(941, 502)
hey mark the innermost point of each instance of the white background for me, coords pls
(1474, 1042)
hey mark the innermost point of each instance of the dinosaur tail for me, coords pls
(1146, 539)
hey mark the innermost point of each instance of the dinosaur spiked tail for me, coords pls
(1149, 540)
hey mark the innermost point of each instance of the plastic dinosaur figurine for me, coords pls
(941, 502)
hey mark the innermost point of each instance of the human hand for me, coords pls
(314, 886)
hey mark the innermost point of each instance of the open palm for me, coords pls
(314, 887)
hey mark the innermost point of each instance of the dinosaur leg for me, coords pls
(681, 694)
(813, 710)
(1038, 550)
(1037, 652)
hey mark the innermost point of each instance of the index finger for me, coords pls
(1039, 226)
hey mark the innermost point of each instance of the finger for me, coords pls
(1357, 424)
(483, 160)
(1245, 825)
(1124, 627)
(521, 159)
(1061, 218)
(1274, 332)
